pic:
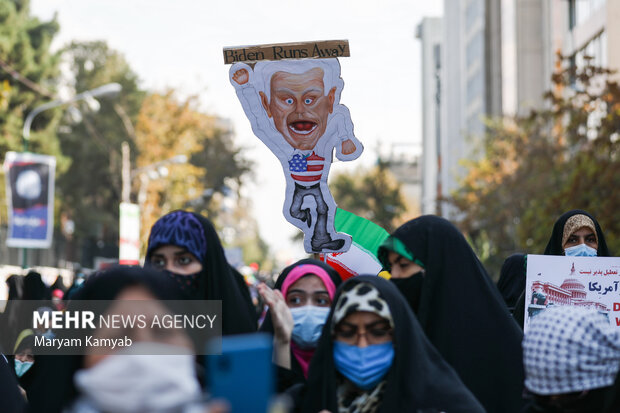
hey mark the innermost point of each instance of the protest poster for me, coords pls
(291, 96)
(30, 199)
(590, 282)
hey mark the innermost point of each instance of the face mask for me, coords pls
(308, 324)
(363, 366)
(411, 289)
(188, 284)
(21, 367)
(581, 250)
(141, 381)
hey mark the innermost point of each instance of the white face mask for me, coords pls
(141, 381)
(308, 324)
(581, 250)
(21, 367)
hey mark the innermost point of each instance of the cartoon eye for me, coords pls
(308, 101)
(288, 101)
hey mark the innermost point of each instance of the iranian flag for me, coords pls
(361, 258)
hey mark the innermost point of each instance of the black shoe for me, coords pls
(333, 245)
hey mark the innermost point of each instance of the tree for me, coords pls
(28, 74)
(535, 167)
(370, 193)
(91, 188)
(168, 127)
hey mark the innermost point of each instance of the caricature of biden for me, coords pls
(293, 107)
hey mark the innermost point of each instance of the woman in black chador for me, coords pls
(186, 247)
(575, 233)
(374, 357)
(459, 309)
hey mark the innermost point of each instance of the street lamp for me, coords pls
(109, 89)
(89, 96)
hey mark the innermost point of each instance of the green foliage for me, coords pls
(28, 74)
(91, 188)
(168, 126)
(373, 194)
(88, 152)
(538, 166)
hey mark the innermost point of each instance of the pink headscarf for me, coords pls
(305, 269)
(304, 356)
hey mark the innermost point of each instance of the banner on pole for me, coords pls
(30, 199)
(129, 231)
(591, 282)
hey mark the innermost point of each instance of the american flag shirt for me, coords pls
(306, 169)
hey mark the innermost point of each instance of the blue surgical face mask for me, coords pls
(308, 324)
(21, 367)
(366, 366)
(581, 250)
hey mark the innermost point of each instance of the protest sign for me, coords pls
(30, 199)
(293, 106)
(590, 282)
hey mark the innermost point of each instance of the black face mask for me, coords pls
(411, 288)
(188, 284)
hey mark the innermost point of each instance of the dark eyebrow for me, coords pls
(369, 325)
(377, 323)
(295, 291)
(182, 252)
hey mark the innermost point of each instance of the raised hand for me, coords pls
(348, 147)
(280, 314)
(241, 76)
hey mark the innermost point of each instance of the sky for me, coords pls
(178, 44)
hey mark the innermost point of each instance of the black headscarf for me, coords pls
(25, 381)
(12, 400)
(511, 281)
(52, 387)
(287, 378)
(464, 316)
(554, 246)
(9, 319)
(35, 288)
(418, 379)
(217, 280)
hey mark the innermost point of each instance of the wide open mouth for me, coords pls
(302, 127)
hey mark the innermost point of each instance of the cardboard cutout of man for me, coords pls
(293, 107)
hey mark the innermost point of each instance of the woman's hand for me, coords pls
(282, 324)
(280, 313)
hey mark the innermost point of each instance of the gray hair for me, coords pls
(264, 71)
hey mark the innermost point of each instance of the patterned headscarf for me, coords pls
(362, 297)
(568, 349)
(576, 222)
(180, 228)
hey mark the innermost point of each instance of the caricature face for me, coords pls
(299, 106)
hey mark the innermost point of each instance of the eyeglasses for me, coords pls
(373, 335)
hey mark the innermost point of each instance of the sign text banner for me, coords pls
(280, 51)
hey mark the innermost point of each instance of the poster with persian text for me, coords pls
(590, 282)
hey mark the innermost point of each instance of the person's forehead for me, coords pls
(312, 77)
(169, 249)
(583, 231)
(308, 283)
(363, 318)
